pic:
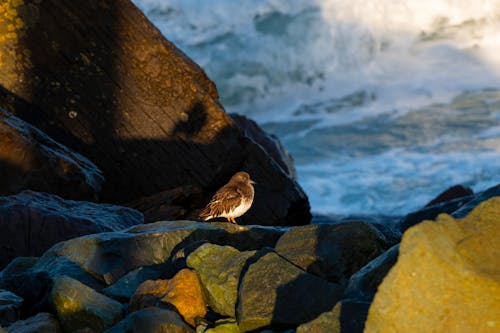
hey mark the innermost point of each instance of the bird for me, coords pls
(231, 200)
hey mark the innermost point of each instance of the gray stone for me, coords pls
(78, 306)
(151, 320)
(332, 251)
(275, 292)
(26, 216)
(41, 323)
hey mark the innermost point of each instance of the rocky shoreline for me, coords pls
(112, 140)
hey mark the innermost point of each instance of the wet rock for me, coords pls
(219, 268)
(29, 159)
(332, 251)
(454, 192)
(149, 293)
(269, 142)
(275, 292)
(78, 306)
(446, 277)
(41, 323)
(150, 118)
(10, 307)
(363, 284)
(476, 200)
(152, 320)
(28, 215)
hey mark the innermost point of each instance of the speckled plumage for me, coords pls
(231, 200)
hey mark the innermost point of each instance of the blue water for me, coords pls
(382, 104)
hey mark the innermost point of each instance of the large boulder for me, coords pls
(115, 90)
(78, 306)
(219, 268)
(32, 222)
(29, 159)
(275, 292)
(332, 251)
(446, 278)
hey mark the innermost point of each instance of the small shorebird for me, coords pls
(231, 200)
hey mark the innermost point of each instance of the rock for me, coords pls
(458, 208)
(10, 307)
(363, 284)
(446, 278)
(185, 293)
(129, 100)
(148, 294)
(109, 256)
(331, 251)
(269, 142)
(126, 286)
(41, 323)
(476, 200)
(219, 268)
(176, 204)
(78, 306)
(454, 192)
(346, 316)
(32, 160)
(28, 215)
(275, 292)
(152, 320)
(224, 326)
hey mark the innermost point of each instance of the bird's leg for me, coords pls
(233, 220)
(228, 219)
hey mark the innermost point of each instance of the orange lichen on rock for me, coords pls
(186, 294)
(446, 279)
(183, 291)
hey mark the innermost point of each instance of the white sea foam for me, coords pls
(345, 82)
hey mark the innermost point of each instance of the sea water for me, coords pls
(382, 103)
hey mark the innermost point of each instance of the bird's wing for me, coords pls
(223, 201)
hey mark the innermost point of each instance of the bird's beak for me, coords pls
(252, 182)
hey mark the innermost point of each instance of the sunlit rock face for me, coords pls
(446, 277)
(114, 89)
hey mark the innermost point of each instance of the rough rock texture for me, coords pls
(446, 278)
(333, 252)
(26, 216)
(78, 306)
(219, 268)
(185, 293)
(275, 292)
(152, 320)
(269, 142)
(109, 256)
(10, 307)
(112, 87)
(29, 159)
(363, 284)
(41, 323)
(224, 326)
